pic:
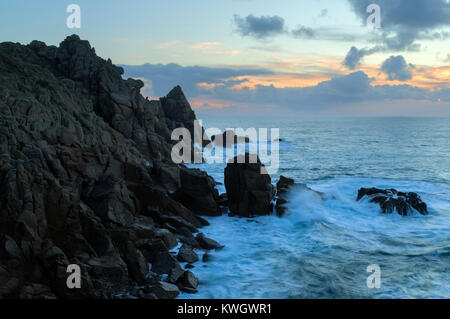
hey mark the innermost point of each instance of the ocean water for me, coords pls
(322, 248)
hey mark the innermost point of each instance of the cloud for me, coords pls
(323, 13)
(448, 58)
(396, 68)
(303, 32)
(354, 56)
(259, 27)
(225, 88)
(162, 78)
(403, 23)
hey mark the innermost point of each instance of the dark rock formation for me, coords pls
(86, 176)
(283, 186)
(228, 139)
(249, 190)
(207, 243)
(391, 200)
(187, 254)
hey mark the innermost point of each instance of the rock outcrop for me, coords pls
(228, 139)
(248, 186)
(391, 200)
(283, 186)
(86, 177)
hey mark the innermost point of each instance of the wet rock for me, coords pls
(207, 243)
(283, 186)
(206, 257)
(188, 282)
(178, 222)
(165, 263)
(164, 290)
(248, 186)
(187, 254)
(390, 200)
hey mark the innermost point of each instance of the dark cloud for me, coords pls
(303, 32)
(403, 23)
(416, 15)
(396, 68)
(259, 27)
(354, 56)
(164, 77)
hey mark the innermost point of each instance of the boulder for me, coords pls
(165, 290)
(390, 200)
(207, 243)
(188, 282)
(187, 254)
(248, 186)
(198, 192)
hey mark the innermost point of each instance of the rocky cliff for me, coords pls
(86, 178)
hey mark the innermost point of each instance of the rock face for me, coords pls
(283, 186)
(86, 176)
(391, 200)
(249, 191)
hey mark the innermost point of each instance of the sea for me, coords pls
(328, 248)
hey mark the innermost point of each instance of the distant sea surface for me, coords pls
(321, 249)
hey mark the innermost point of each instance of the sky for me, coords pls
(264, 56)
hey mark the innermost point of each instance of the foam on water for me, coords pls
(321, 249)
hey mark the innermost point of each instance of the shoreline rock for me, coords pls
(86, 177)
(249, 192)
(391, 200)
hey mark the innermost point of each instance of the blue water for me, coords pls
(321, 248)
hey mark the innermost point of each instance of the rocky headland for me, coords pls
(86, 178)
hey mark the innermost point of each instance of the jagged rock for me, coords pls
(187, 254)
(164, 263)
(164, 290)
(85, 168)
(188, 282)
(391, 200)
(207, 243)
(198, 192)
(178, 223)
(137, 265)
(248, 186)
